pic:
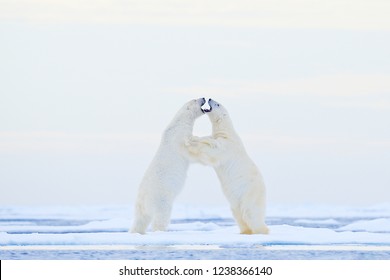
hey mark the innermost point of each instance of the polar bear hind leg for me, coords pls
(142, 220)
(244, 228)
(254, 218)
(161, 220)
(260, 229)
(162, 217)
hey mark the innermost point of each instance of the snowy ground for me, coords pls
(304, 232)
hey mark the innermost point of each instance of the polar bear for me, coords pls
(241, 180)
(166, 174)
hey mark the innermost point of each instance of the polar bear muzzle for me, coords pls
(212, 104)
(207, 110)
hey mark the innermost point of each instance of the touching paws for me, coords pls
(204, 142)
(191, 141)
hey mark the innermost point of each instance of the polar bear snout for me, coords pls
(204, 110)
(212, 104)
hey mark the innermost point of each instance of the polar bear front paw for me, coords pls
(212, 143)
(191, 141)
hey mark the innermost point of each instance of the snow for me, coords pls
(58, 228)
(376, 225)
(315, 221)
(114, 232)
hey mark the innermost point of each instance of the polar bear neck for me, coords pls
(180, 126)
(186, 122)
(184, 118)
(222, 127)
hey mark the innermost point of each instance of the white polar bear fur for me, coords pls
(166, 174)
(241, 180)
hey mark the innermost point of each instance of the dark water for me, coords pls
(223, 254)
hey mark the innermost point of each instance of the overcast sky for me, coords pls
(87, 87)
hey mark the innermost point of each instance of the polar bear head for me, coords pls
(217, 113)
(189, 112)
(219, 117)
(193, 108)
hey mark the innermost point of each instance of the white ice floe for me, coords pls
(107, 226)
(112, 225)
(318, 222)
(376, 225)
(201, 234)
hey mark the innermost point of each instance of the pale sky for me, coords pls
(87, 87)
